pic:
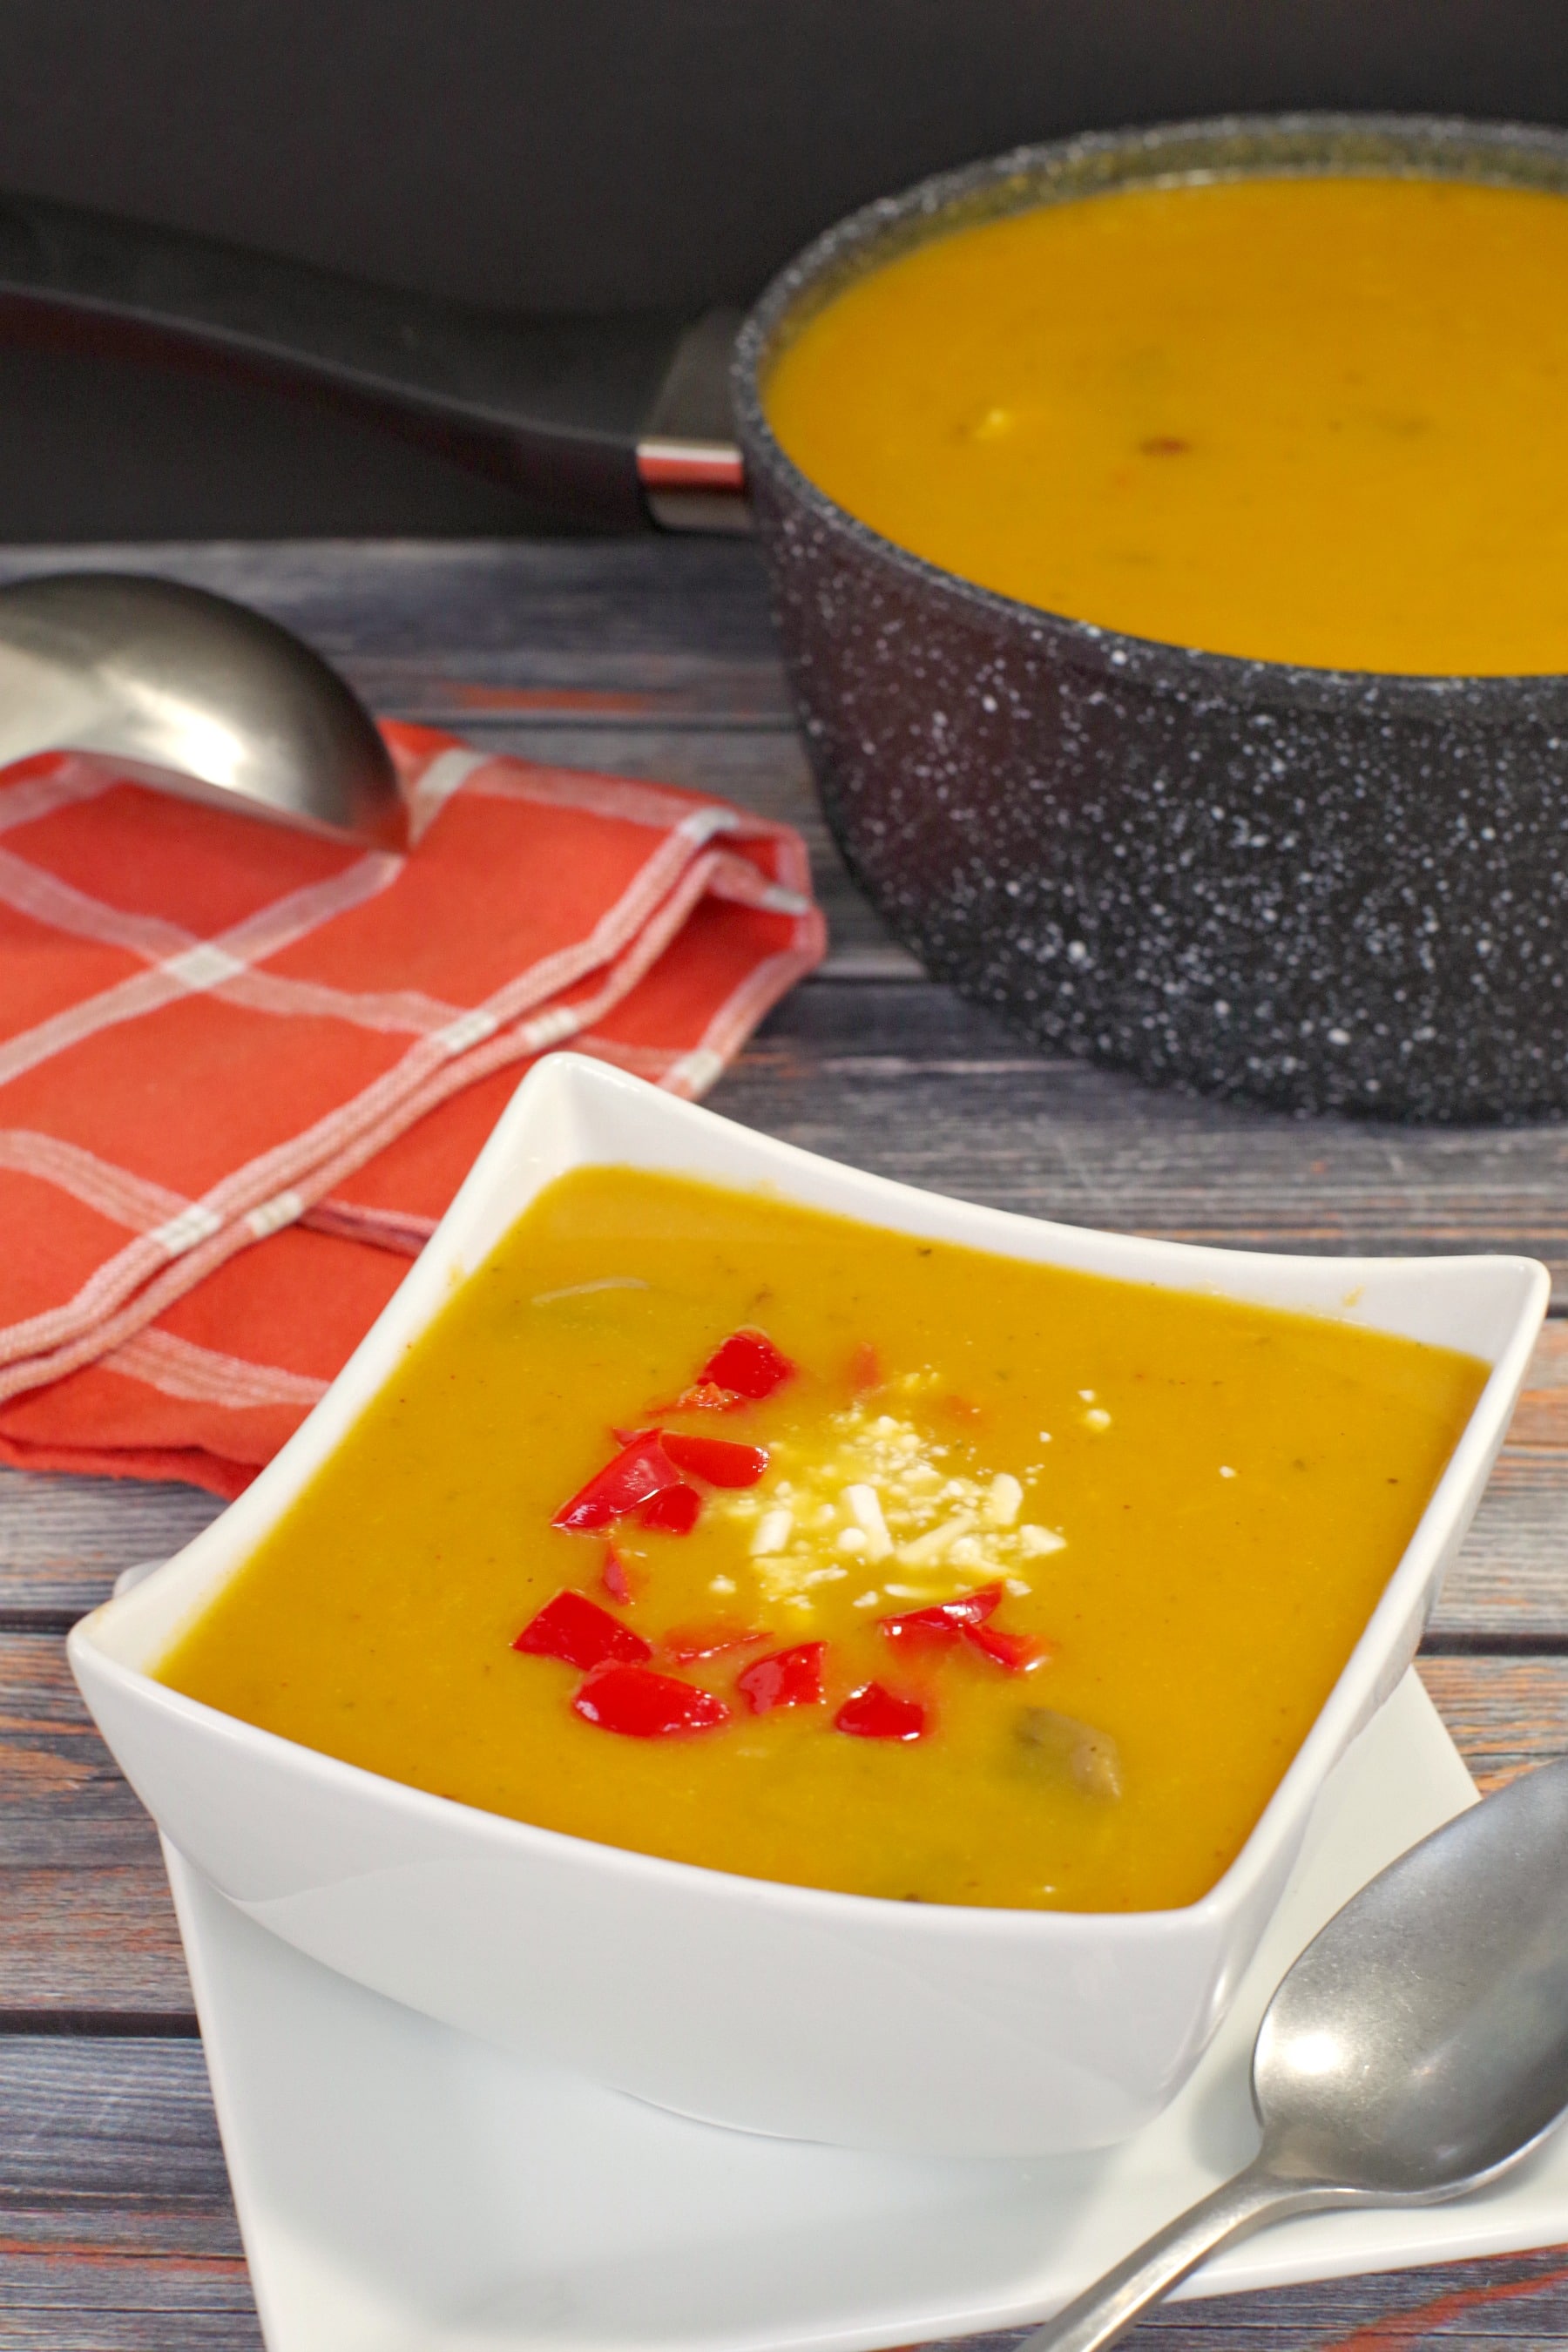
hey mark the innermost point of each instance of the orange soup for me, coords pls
(1317, 420)
(720, 1528)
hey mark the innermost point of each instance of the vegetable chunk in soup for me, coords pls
(720, 1528)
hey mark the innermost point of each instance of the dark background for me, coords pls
(581, 155)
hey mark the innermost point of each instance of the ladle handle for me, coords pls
(608, 422)
(1108, 2308)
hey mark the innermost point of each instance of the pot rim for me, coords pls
(1301, 144)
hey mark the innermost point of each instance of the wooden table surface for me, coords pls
(116, 2226)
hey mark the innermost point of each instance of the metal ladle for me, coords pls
(196, 695)
(1416, 2049)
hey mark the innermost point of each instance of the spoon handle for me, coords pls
(1100, 2315)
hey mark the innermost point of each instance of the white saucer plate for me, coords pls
(402, 2188)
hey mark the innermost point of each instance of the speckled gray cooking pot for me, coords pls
(1320, 888)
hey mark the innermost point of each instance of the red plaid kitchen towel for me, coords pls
(243, 1071)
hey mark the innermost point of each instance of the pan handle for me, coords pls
(605, 422)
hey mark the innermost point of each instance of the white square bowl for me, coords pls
(785, 2010)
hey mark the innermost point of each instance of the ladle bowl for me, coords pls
(195, 694)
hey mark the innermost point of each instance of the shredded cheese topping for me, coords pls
(874, 1491)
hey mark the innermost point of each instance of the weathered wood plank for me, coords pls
(56, 1770)
(82, 2302)
(921, 1086)
(763, 769)
(86, 1923)
(449, 631)
(1539, 1418)
(116, 2225)
(103, 2306)
(130, 2133)
(83, 1947)
(1511, 1579)
(85, 1920)
(117, 2231)
(1504, 1714)
(92, 2304)
(63, 1541)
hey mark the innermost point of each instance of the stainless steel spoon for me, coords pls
(197, 695)
(1416, 2049)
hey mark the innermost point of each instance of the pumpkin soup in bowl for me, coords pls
(711, 1524)
(536, 1614)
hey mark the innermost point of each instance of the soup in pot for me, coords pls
(1315, 420)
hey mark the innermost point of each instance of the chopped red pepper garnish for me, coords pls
(615, 1577)
(715, 1460)
(748, 1365)
(639, 1472)
(783, 1678)
(576, 1630)
(946, 1621)
(643, 1705)
(1016, 1651)
(676, 1510)
(685, 1642)
(865, 1368)
(874, 1712)
(963, 1620)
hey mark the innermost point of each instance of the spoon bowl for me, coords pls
(1420, 2043)
(1416, 2049)
(195, 695)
